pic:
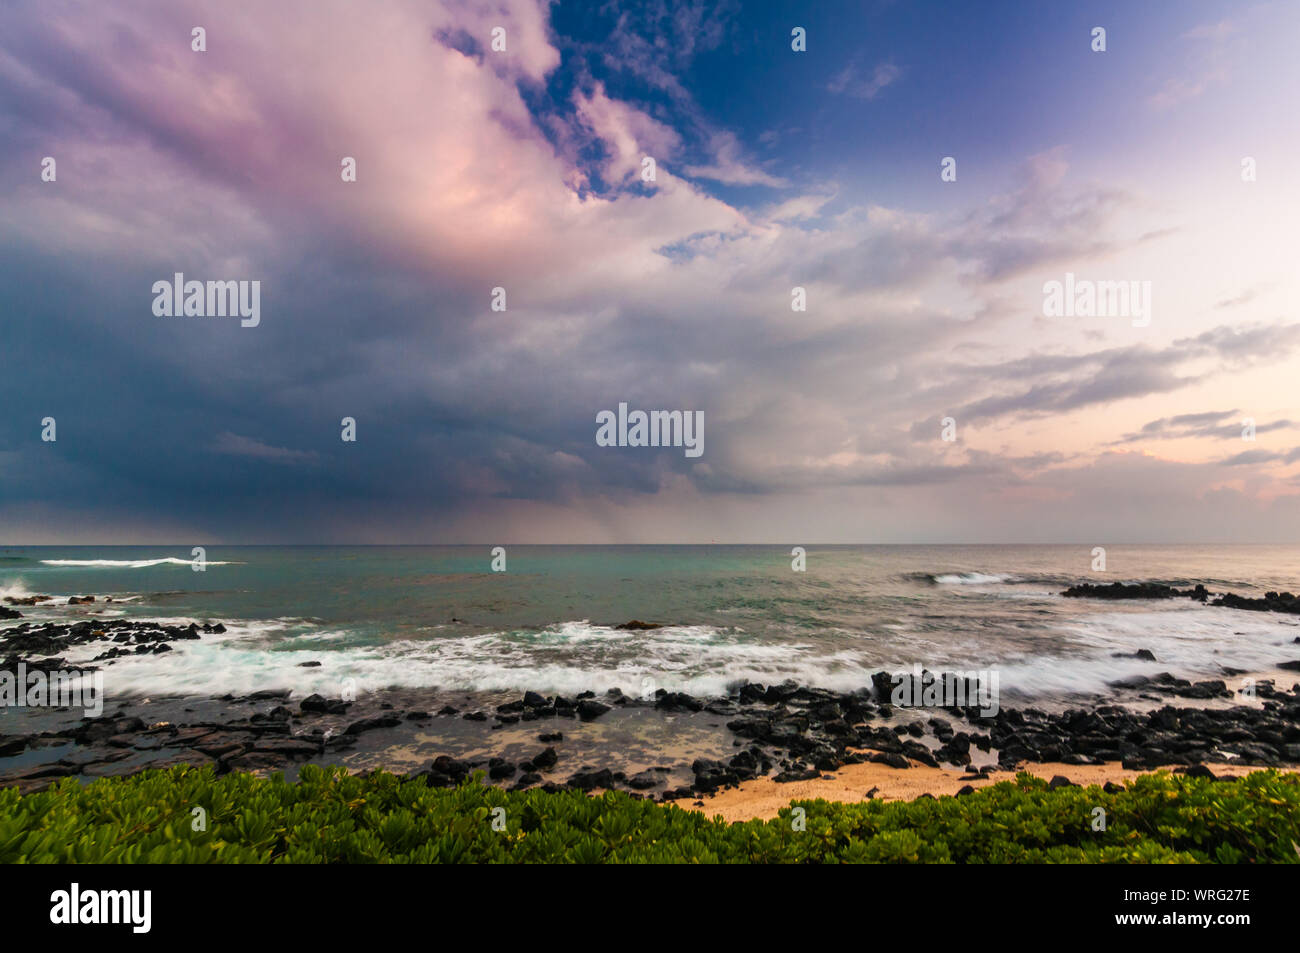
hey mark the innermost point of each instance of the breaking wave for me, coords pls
(132, 563)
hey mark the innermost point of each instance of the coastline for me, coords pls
(763, 798)
(756, 744)
(746, 752)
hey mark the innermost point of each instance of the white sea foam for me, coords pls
(973, 578)
(132, 563)
(570, 657)
(13, 588)
(1193, 642)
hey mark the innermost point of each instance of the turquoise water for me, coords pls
(440, 617)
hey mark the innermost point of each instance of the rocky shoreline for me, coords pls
(786, 732)
(1270, 602)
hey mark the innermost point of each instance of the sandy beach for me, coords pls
(764, 798)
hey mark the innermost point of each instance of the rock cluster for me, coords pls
(1135, 590)
(1270, 602)
(41, 645)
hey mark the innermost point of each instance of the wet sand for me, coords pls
(764, 798)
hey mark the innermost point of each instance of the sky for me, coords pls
(1162, 160)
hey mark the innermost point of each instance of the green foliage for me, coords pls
(331, 817)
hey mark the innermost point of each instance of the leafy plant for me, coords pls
(329, 816)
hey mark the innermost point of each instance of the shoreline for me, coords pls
(763, 798)
(669, 746)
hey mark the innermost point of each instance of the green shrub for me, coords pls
(331, 817)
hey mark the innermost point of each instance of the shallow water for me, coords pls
(382, 617)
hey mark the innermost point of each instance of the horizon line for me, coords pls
(190, 545)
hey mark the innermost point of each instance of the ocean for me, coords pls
(438, 617)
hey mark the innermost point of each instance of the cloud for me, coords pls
(480, 170)
(1219, 424)
(1045, 220)
(729, 168)
(627, 134)
(1180, 89)
(238, 446)
(656, 40)
(1211, 31)
(1237, 300)
(1206, 68)
(1257, 457)
(799, 208)
(682, 31)
(850, 82)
